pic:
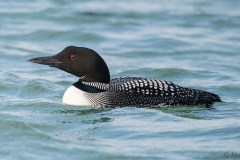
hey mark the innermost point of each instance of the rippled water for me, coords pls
(191, 43)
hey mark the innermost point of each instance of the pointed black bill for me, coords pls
(45, 61)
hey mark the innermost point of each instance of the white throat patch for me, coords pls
(75, 96)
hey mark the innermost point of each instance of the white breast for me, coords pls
(75, 96)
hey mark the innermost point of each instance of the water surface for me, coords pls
(191, 43)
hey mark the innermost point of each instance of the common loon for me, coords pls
(95, 88)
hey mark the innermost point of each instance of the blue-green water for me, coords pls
(191, 43)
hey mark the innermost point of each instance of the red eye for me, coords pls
(72, 57)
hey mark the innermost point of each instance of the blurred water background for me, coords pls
(191, 43)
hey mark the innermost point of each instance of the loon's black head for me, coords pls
(79, 61)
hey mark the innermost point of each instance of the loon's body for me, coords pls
(95, 88)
